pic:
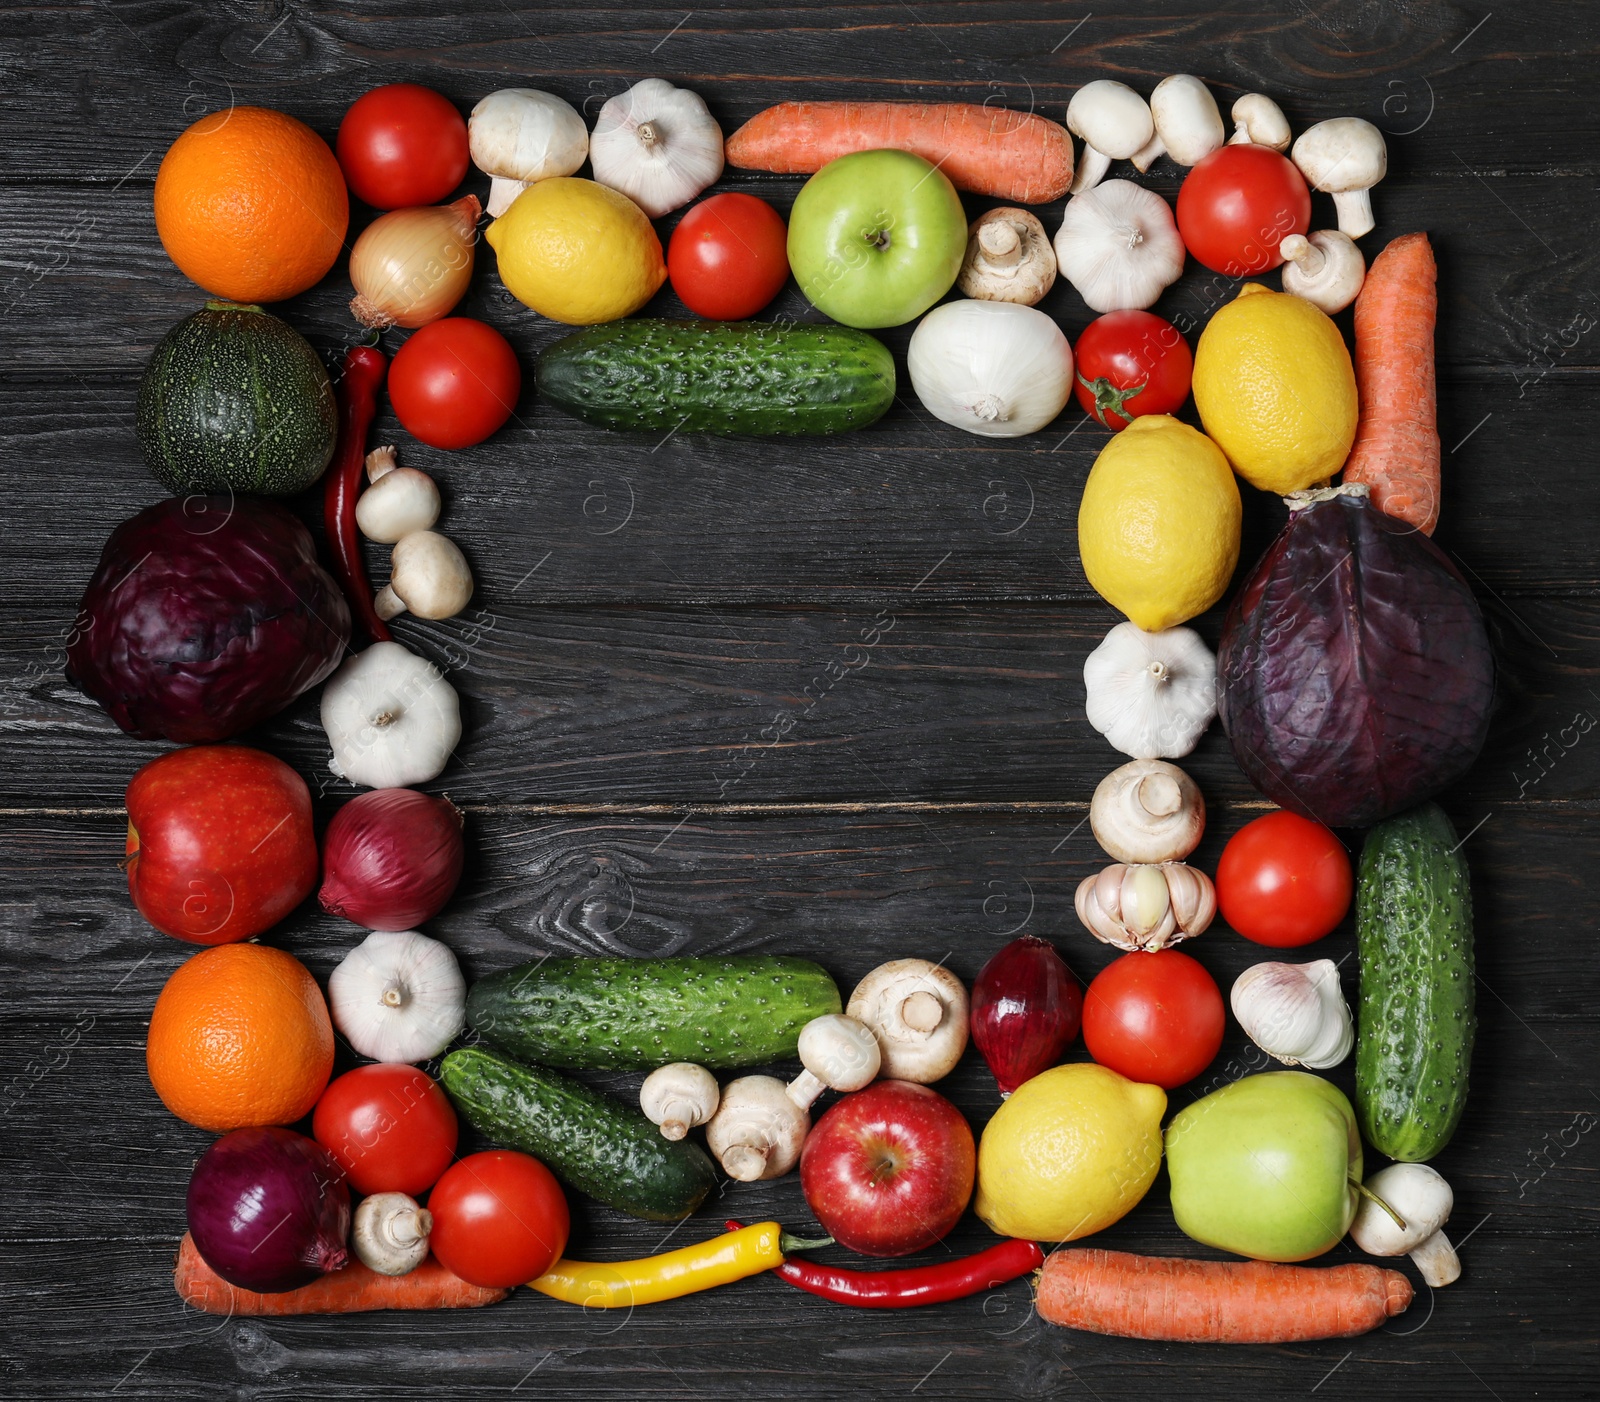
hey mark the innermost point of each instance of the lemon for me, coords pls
(1158, 526)
(577, 252)
(1071, 1152)
(1275, 389)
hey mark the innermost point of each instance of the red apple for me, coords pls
(220, 845)
(889, 1170)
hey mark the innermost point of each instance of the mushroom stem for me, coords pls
(1147, 155)
(380, 462)
(387, 604)
(502, 194)
(1001, 244)
(1091, 170)
(805, 1088)
(744, 1162)
(1354, 208)
(1437, 1260)
(1299, 250)
(922, 1011)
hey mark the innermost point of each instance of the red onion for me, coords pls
(1026, 1007)
(391, 859)
(269, 1209)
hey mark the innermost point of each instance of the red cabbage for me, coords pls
(1355, 676)
(206, 616)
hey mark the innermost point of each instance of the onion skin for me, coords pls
(1026, 1009)
(391, 859)
(411, 266)
(1355, 677)
(269, 1210)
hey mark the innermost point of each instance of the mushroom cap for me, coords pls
(1027, 279)
(1418, 1193)
(1147, 811)
(840, 1051)
(525, 134)
(758, 1130)
(680, 1082)
(1343, 153)
(1111, 118)
(431, 574)
(918, 1012)
(1335, 283)
(1187, 118)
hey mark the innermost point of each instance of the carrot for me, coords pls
(1217, 1302)
(1014, 156)
(1396, 452)
(348, 1291)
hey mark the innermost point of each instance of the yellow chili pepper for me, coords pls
(620, 1284)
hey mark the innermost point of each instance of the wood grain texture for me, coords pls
(647, 610)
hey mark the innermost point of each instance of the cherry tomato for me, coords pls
(402, 145)
(389, 1127)
(499, 1219)
(1284, 881)
(1129, 364)
(728, 257)
(1155, 1017)
(1235, 206)
(454, 382)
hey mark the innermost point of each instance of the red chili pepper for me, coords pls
(916, 1285)
(364, 369)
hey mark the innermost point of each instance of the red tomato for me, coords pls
(1129, 364)
(1283, 880)
(499, 1219)
(402, 145)
(728, 257)
(389, 1127)
(454, 382)
(1154, 1017)
(1235, 206)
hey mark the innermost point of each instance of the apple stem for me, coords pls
(1371, 1196)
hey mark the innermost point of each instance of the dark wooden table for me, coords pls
(646, 610)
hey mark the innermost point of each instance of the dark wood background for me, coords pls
(645, 610)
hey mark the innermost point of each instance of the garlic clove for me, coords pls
(1296, 1013)
(1146, 899)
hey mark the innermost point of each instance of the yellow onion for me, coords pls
(411, 266)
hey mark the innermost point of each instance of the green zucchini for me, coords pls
(1416, 1018)
(235, 400)
(590, 1141)
(637, 1014)
(747, 377)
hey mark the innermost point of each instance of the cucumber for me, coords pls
(750, 377)
(638, 1014)
(590, 1141)
(1416, 1018)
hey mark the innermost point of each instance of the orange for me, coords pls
(240, 1036)
(251, 204)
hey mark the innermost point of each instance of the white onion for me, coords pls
(993, 368)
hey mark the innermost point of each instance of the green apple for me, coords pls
(876, 238)
(1268, 1167)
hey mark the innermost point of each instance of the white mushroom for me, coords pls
(1420, 1198)
(519, 135)
(1147, 811)
(918, 1012)
(1112, 121)
(399, 501)
(838, 1053)
(678, 1097)
(758, 1130)
(1259, 121)
(428, 575)
(1188, 125)
(1344, 157)
(1009, 258)
(1325, 268)
(389, 1233)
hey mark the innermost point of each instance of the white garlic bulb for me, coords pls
(398, 996)
(1118, 244)
(1295, 1012)
(658, 144)
(391, 717)
(1146, 906)
(1152, 695)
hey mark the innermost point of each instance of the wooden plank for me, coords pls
(1516, 275)
(848, 889)
(703, 704)
(1440, 79)
(853, 521)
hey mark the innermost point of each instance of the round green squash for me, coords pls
(236, 400)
